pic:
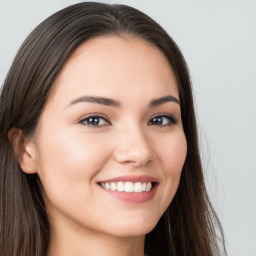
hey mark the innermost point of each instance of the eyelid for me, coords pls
(165, 115)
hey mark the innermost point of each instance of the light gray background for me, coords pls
(218, 39)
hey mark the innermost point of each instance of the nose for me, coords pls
(133, 147)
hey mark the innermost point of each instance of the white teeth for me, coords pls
(107, 186)
(120, 186)
(144, 186)
(137, 187)
(128, 187)
(149, 186)
(113, 186)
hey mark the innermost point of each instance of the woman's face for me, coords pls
(111, 123)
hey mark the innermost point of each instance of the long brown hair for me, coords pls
(188, 227)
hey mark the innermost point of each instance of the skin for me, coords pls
(71, 157)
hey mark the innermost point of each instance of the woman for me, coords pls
(99, 152)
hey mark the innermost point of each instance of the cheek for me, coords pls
(68, 161)
(78, 151)
(173, 154)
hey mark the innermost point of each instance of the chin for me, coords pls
(139, 227)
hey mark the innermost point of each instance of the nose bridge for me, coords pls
(133, 145)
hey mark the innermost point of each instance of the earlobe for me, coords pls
(24, 150)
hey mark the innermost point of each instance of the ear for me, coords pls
(24, 150)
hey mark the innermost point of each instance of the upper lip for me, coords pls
(132, 178)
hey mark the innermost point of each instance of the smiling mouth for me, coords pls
(131, 188)
(128, 187)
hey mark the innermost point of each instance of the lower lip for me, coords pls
(133, 197)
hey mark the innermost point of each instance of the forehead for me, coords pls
(116, 65)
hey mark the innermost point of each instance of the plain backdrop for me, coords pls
(218, 40)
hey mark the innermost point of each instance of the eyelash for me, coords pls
(171, 120)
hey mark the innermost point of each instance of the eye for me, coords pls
(162, 120)
(95, 120)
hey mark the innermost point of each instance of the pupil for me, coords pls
(157, 120)
(93, 121)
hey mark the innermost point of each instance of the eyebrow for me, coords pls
(162, 100)
(97, 100)
(115, 103)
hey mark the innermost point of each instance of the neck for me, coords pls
(66, 241)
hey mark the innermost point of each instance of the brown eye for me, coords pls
(95, 121)
(162, 120)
